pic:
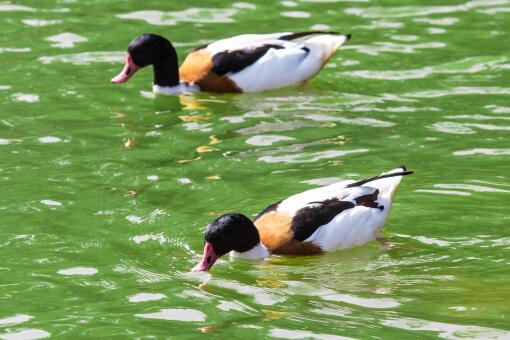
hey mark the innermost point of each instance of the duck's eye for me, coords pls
(208, 259)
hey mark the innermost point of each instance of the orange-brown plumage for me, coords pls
(197, 68)
(277, 236)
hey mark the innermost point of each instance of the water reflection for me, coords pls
(26, 334)
(12, 320)
(87, 271)
(144, 297)
(482, 151)
(447, 330)
(413, 11)
(6, 7)
(195, 15)
(189, 315)
(85, 58)
(40, 22)
(66, 40)
(281, 333)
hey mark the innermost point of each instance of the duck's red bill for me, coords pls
(208, 259)
(129, 69)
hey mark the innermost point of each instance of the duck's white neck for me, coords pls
(175, 90)
(255, 253)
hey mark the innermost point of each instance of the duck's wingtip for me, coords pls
(405, 170)
(348, 36)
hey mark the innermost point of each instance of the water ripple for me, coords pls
(196, 15)
(13, 8)
(40, 22)
(66, 40)
(281, 333)
(295, 14)
(309, 157)
(25, 97)
(26, 334)
(391, 47)
(466, 128)
(85, 58)
(87, 271)
(265, 140)
(353, 121)
(190, 315)
(447, 330)
(464, 90)
(144, 297)
(12, 320)
(481, 151)
(15, 49)
(446, 21)
(414, 11)
(468, 65)
(260, 296)
(445, 192)
(470, 187)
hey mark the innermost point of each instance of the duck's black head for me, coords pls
(151, 49)
(226, 233)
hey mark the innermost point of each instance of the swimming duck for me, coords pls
(244, 63)
(324, 219)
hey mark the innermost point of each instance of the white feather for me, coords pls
(255, 253)
(351, 227)
(172, 90)
(279, 67)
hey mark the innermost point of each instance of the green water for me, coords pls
(105, 190)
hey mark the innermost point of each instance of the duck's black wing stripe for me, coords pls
(270, 208)
(309, 219)
(298, 35)
(375, 178)
(235, 61)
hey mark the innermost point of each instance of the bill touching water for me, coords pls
(106, 189)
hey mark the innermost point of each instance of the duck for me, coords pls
(324, 219)
(244, 63)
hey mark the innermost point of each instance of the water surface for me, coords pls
(106, 190)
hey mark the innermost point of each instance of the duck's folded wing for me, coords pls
(230, 62)
(307, 220)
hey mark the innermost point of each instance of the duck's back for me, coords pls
(337, 216)
(256, 62)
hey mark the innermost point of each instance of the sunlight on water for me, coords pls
(26, 334)
(197, 15)
(107, 189)
(176, 315)
(66, 40)
(446, 330)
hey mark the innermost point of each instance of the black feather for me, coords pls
(375, 178)
(235, 61)
(307, 220)
(294, 36)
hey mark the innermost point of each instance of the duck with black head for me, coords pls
(244, 63)
(337, 216)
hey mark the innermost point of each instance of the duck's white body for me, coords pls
(353, 226)
(297, 61)
(258, 62)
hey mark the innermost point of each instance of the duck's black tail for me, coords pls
(404, 172)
